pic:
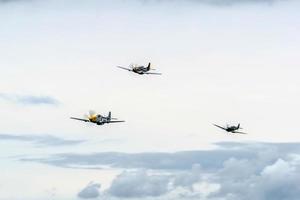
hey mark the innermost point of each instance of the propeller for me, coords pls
(92, 114)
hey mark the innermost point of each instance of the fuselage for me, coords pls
(99, 119)
(140, 69)
(231, 128)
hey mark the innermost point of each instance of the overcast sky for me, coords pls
(223, 61)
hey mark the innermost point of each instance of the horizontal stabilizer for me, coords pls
(239, 132)
(153, 73)
(115, 121)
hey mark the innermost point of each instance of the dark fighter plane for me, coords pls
(231, 129)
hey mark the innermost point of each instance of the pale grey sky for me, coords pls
(222, 62)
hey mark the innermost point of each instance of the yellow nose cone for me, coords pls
(93, 118)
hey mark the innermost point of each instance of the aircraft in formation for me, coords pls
(98, 119)
(140, 69)
(231, 129)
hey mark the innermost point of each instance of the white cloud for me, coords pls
(188, 178)
(277, 180)
(139, 184)
(29, 99)
(279, 168)
(90, 191)
(40, 140)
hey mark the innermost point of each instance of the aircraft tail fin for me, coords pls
(109, 115)
(149, 66)
(238, 126)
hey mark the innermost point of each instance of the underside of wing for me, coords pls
(219, 127)
(239, 132)
(85, 120)
(116, 121)
(153, 73)
(124, 68)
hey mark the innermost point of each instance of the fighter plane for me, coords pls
(231, 129)
(98, 119)
(139, 69)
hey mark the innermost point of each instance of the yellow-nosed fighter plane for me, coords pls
(98, 119)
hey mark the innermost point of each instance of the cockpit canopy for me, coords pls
(134, 65)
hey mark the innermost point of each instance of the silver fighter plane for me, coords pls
(139, 69)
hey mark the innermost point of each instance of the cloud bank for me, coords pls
(209, 2)
(277, 180)
(222, 2)
(234, 171)
(209, 159)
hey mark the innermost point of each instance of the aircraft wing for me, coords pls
(239, 132)
(219, 127)
(125, 68)
(153, 73)
(115, 121)
(85, 120)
